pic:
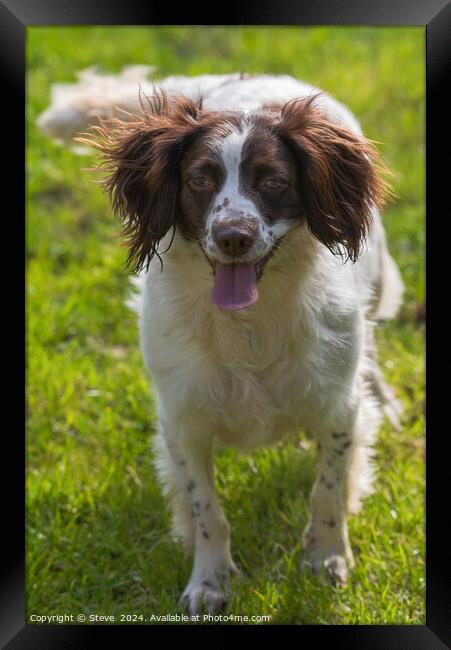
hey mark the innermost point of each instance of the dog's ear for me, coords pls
(141, 159)
(339, 175)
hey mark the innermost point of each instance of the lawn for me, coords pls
(98, 537)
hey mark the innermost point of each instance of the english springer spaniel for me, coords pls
(251, 206)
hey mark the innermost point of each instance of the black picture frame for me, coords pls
(15, 17)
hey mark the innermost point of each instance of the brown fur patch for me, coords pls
(340, 175)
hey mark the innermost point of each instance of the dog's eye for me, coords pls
(275, 183)
(201, 182)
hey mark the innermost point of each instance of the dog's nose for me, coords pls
(233, 241)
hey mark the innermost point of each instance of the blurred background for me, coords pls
(97, 529)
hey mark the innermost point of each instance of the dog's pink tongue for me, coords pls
(235, 286)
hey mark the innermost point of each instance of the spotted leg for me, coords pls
(188, 474)
(325, 539)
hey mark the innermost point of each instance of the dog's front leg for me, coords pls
(192, 455)
(326, 542)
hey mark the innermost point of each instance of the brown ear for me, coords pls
(338, 173)
(141, 158)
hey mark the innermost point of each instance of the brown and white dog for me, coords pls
(262, 201)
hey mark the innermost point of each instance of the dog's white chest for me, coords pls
(247, 382)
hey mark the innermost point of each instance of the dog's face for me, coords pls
(235, 184)
(239, 194)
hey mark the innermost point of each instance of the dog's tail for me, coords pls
(74, 108)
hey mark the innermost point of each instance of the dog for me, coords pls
(251, 208)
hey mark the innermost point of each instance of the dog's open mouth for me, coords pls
(235, 285)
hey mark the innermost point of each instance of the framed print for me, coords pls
(279, 145)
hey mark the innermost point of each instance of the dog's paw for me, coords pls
(327, 555)
(208, 585)
(203, 595)
(333, 566)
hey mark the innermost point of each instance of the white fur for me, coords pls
(301, 357)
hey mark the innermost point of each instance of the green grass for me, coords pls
(98, 537)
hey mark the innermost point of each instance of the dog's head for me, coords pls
(236, 183)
